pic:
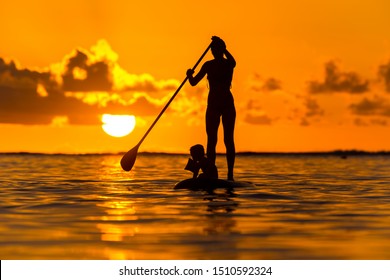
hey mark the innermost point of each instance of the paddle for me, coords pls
(129, 158)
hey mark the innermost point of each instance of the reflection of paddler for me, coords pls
(200, 162)
(220, 100)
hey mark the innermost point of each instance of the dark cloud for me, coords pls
(13, 77)
(337, 81)
(253, 104)
(360, 122)
(384, 73)
(304, 122)
(25, 106)
(377, 106)
(19, 99)
(313, 109)
(83, 86)
(22, 102)
(255, 115)
(258, 119)
(379, 122)
(270, 84)
(97, 75)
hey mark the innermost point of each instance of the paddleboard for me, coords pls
(210, 184)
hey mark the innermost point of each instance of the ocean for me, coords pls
(301, 207)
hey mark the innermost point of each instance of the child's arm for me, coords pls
(196, 171)
(193, 167)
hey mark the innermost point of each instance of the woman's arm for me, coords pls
(230, 58)
(195, 80)
(221, 43)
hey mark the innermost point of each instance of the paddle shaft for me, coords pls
(173, 97)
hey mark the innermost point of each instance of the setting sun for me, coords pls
(118, 125)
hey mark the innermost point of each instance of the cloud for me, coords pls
(377, 106)
(266, 108)
(313, 109)
(381, 122)
(12, 77)
(259, 84)
(267, 102)
(29, 97)
(257, 119)
(85, 85)
(253, 104)
(265, 105)
(272, 84)
(124, 81)
(32, 97)
(360, 122)
(304, 122)
(384, 74)
(337, 81)
(364, 123)
(95, 76)
(254, 113)
(26, 106)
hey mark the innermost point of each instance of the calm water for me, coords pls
(86, 207)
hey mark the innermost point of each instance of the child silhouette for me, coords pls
(198, 161)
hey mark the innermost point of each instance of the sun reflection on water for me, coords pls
(118, 219)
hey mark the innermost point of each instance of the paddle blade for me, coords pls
(128, 159)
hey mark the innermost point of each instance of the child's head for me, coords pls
(197, 152)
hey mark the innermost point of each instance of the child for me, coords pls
(199, 161)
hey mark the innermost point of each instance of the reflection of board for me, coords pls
(207, 184)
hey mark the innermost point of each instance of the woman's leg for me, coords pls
(228, 122)
(212, 124)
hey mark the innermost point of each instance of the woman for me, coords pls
(220, 103)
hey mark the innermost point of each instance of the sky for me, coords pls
(310, 75)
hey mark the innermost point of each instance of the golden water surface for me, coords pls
(301, 207)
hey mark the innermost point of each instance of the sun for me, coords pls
(118, 125)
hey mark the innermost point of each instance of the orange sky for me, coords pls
(310, 75)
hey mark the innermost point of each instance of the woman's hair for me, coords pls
(218, 47)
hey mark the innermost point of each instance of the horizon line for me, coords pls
(337, 152)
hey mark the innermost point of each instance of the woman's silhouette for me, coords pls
(220, 100)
